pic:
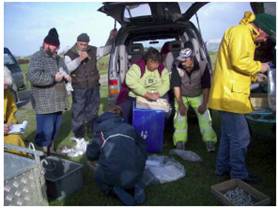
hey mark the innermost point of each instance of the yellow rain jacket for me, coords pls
(9, 118)
(235, 68)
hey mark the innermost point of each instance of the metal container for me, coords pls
(63, 177)
(24, 183)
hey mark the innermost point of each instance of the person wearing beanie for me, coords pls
(52, 38)
(190, 81)
(81, 61)
(47, 74)
(234, 71)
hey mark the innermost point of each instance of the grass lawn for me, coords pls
(194, 188)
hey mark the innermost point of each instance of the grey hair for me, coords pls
(8, 76)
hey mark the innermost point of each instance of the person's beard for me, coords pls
(50, 53)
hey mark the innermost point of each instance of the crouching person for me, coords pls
(120, 157)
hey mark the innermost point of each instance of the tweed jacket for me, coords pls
(47, 96)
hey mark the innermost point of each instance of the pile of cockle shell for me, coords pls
(239, 197)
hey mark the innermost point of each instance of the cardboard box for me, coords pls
(221, 188)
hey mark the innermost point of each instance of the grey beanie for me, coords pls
(83, 37)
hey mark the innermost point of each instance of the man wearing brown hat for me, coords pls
(47, 74)
(81, 61)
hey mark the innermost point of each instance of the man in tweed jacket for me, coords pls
(47, 74)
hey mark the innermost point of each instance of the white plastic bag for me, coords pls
(186, 155)
(162, 169)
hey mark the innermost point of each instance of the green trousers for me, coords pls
(180, 122)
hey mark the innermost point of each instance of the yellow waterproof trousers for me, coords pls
(180, 122)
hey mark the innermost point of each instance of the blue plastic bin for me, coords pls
(150, 125)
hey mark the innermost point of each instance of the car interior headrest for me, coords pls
(176, 45)
(136, 48)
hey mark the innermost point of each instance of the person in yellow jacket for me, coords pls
(235, 69)
(9, 112)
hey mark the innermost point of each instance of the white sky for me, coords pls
(27, 24)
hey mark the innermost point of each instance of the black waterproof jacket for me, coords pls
(119, 151)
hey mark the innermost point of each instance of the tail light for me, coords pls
(114, 87)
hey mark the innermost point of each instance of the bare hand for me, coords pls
(261, 77)
(113, 33)
(6, 129)
(182, 109)
(202, 108)
(83, 55)
(67, 77)
(59, 76)
(265, 67)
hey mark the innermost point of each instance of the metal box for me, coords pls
(24, 183)
(63, 177)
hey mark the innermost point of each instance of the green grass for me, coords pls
(102, 66)
(212, 58)
(25, 68)
(194, 188)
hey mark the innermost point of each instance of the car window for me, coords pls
(158, 43)
(137, 11)
(184, 6)
(8, 60)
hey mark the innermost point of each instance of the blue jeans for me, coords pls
(234, 140)
(121, 192)
(47, 128)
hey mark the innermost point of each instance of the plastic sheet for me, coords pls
(162, 169)
(186, 155)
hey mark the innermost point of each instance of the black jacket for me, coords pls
(120, 151)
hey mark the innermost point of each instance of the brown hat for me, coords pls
(83, 37)
(52, 38)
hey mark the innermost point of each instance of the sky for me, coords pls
(27, 24)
